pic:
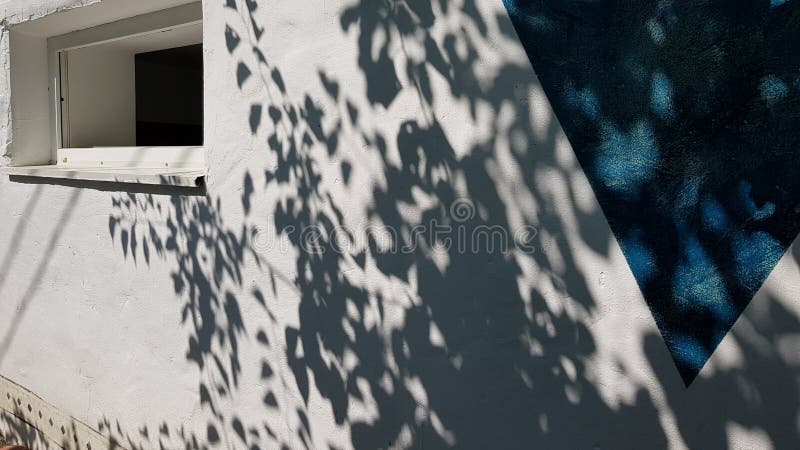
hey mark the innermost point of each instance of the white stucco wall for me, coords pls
(191, 319)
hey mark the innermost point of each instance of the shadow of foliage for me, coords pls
(449, 348)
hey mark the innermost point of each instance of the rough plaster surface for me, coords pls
(193, 321)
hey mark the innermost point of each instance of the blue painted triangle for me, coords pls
(685, 116)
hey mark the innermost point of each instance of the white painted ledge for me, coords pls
(131, 157)
(166, 166)
(178, 176)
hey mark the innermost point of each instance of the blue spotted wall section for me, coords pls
(684, 117)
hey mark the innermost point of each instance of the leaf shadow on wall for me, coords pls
(480, 357)
(684, 116)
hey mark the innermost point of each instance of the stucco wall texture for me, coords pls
(218, 320)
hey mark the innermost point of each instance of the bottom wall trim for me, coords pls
(26, 419)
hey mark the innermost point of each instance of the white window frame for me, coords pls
(183, 166)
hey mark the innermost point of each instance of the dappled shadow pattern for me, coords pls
(766, 389)
(487, 348)
(684, 116)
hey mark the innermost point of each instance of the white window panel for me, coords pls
(122, 160)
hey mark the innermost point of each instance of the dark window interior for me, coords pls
(169, 97)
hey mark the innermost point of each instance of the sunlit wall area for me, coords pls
(396, 247)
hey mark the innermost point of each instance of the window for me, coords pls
(125, 100)
(169, 96)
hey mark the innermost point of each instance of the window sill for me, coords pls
(165, 166)
(178, 176)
